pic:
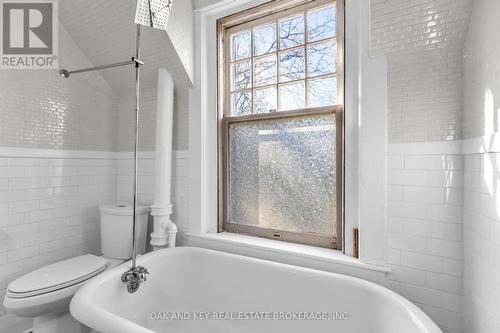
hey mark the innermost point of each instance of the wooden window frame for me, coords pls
(256, 16)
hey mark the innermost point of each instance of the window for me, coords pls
(280, 122)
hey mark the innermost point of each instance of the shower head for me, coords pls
(64, 73)
(153, 13)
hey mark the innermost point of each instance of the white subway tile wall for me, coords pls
(482, 242)
(112, 39)
(147, 120)
(49, 211)
(39, 109)
(481, 116)
(49, 207)
(423, 41)
(180, 30)
(146, 168)
(482, 171)
(424, 233)
(54, 215)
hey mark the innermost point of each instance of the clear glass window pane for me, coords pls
(292, 96)
(264, 100)
(292, 32)
(241, 46)
(264, 39)
(241, 103)
(321, 23)
(240, 75)
(282, 174)
(265, 70)
(322, 91)
(292, 65)
(321, 58)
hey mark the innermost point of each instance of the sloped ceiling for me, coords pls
(105, 32)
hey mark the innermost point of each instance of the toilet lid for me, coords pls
(56, 276)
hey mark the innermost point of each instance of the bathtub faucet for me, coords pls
(134, 277)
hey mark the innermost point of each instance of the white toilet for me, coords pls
(45, 294)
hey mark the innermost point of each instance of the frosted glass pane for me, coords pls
(241, 46)
(292, 96)
(321, 23)
(322, 92)
(292, 65)
(264, 100)
(265, 70)
(321, 58)
(292, 32)
(282, 174)
(264, 39)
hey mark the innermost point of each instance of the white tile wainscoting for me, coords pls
(482, 170)
(49, 202)
(146, 167)
(482, 242)
(48, 211)
(424, 227)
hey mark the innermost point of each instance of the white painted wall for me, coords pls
(482, 170)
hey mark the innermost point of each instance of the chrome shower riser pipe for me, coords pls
(136, 144)
(136, 274)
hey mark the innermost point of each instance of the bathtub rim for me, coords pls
(105, 319)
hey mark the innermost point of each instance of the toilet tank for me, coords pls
(116, 230)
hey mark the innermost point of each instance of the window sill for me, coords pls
(306, 252)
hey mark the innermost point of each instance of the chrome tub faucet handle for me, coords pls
(134, 277)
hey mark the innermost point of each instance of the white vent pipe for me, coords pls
(164, 229)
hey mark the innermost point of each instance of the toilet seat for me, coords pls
(60, 275)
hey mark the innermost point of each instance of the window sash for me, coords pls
(305, 238)
(240, 22)
(226, 32)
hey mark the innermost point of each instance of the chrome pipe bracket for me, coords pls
(138, 62)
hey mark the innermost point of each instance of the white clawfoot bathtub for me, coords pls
(198, 290)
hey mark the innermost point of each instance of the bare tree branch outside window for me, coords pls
(291, 49)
